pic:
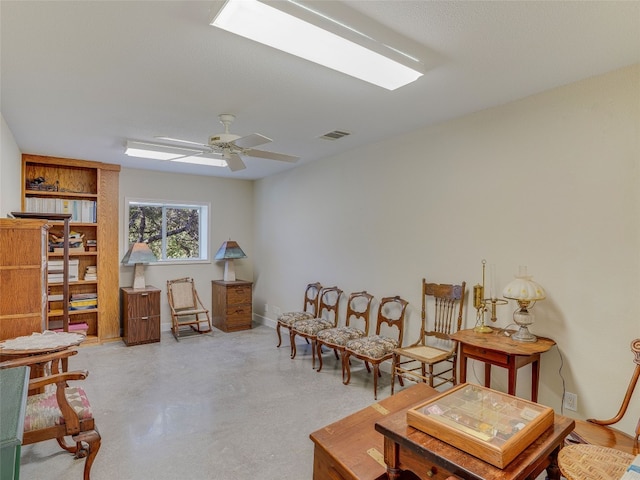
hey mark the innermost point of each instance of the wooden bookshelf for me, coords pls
(88, 191)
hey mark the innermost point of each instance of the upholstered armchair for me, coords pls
(56, 410)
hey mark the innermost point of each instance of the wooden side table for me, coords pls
(500, 350)
(232, 305)
(140, 314)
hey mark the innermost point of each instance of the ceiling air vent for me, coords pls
(335, 135)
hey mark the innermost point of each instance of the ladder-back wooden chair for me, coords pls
(358, 310)
(56, 410)
(309, 310)
(434, 347)
(600, 432)
(375, 349)
(186, 308)
(328, 314)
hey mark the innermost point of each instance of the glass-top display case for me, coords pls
(491, 425)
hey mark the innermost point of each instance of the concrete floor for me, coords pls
(230, 406)
(227, 406)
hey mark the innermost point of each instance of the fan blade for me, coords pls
(251, 141)
(183, 141)
(271, 155)
(234, 162)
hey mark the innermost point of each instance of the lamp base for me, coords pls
(524, 335)
(138, 277)
(483, 329)
(229, 271)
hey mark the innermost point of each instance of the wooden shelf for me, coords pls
(59, 313)
(79, 282)
(49, 193)
(73, 254)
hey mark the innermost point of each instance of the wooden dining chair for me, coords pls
(375, 349)
(56, 410)
(358, 312)
(422, 361)
(328, 315)
(600, 432)
(309, 310)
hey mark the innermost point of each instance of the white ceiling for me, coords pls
(80, 78)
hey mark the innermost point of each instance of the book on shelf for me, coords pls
(81, 210)
(73, 327)
(91, 273)
(55, 270)
(84, 296)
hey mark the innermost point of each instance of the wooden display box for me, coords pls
(487, 424)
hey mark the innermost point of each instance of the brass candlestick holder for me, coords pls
(480, 304)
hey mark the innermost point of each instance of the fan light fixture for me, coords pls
(320, 37)
(175, 154)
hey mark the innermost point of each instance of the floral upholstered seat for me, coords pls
(358, 309)
(312, 326)
(327, 317)
(55, 410)
(289, 318)
(43, 411)
(377, 348)
(309, 310)
(374, 347)
(340, 335)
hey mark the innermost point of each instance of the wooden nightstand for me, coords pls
(140, 314)
(232, 309)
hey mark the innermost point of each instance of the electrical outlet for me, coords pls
(571, 401)
(266, 308)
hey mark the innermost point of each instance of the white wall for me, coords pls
(231, 204)
(550, 182)
(10, 171)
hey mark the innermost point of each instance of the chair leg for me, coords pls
(279, 337)
(376, 373)
(366, 364)
(319, 352)
(93, 440)
(292, 341)
(394, 363)
(65, 446)
(346, 369)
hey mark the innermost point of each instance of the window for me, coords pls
(175, 232)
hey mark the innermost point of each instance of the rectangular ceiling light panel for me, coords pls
(166, 152)
(315, 39)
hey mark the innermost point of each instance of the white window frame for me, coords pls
(205, 222)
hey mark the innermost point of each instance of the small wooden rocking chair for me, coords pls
(186, 308)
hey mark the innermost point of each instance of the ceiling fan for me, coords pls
(232, 147)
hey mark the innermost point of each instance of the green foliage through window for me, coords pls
(174, 232)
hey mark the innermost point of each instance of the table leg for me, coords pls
(513, 374)
(487, 374)
(535, 378)
(553, 471)
(392, 458)
(463, 365)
